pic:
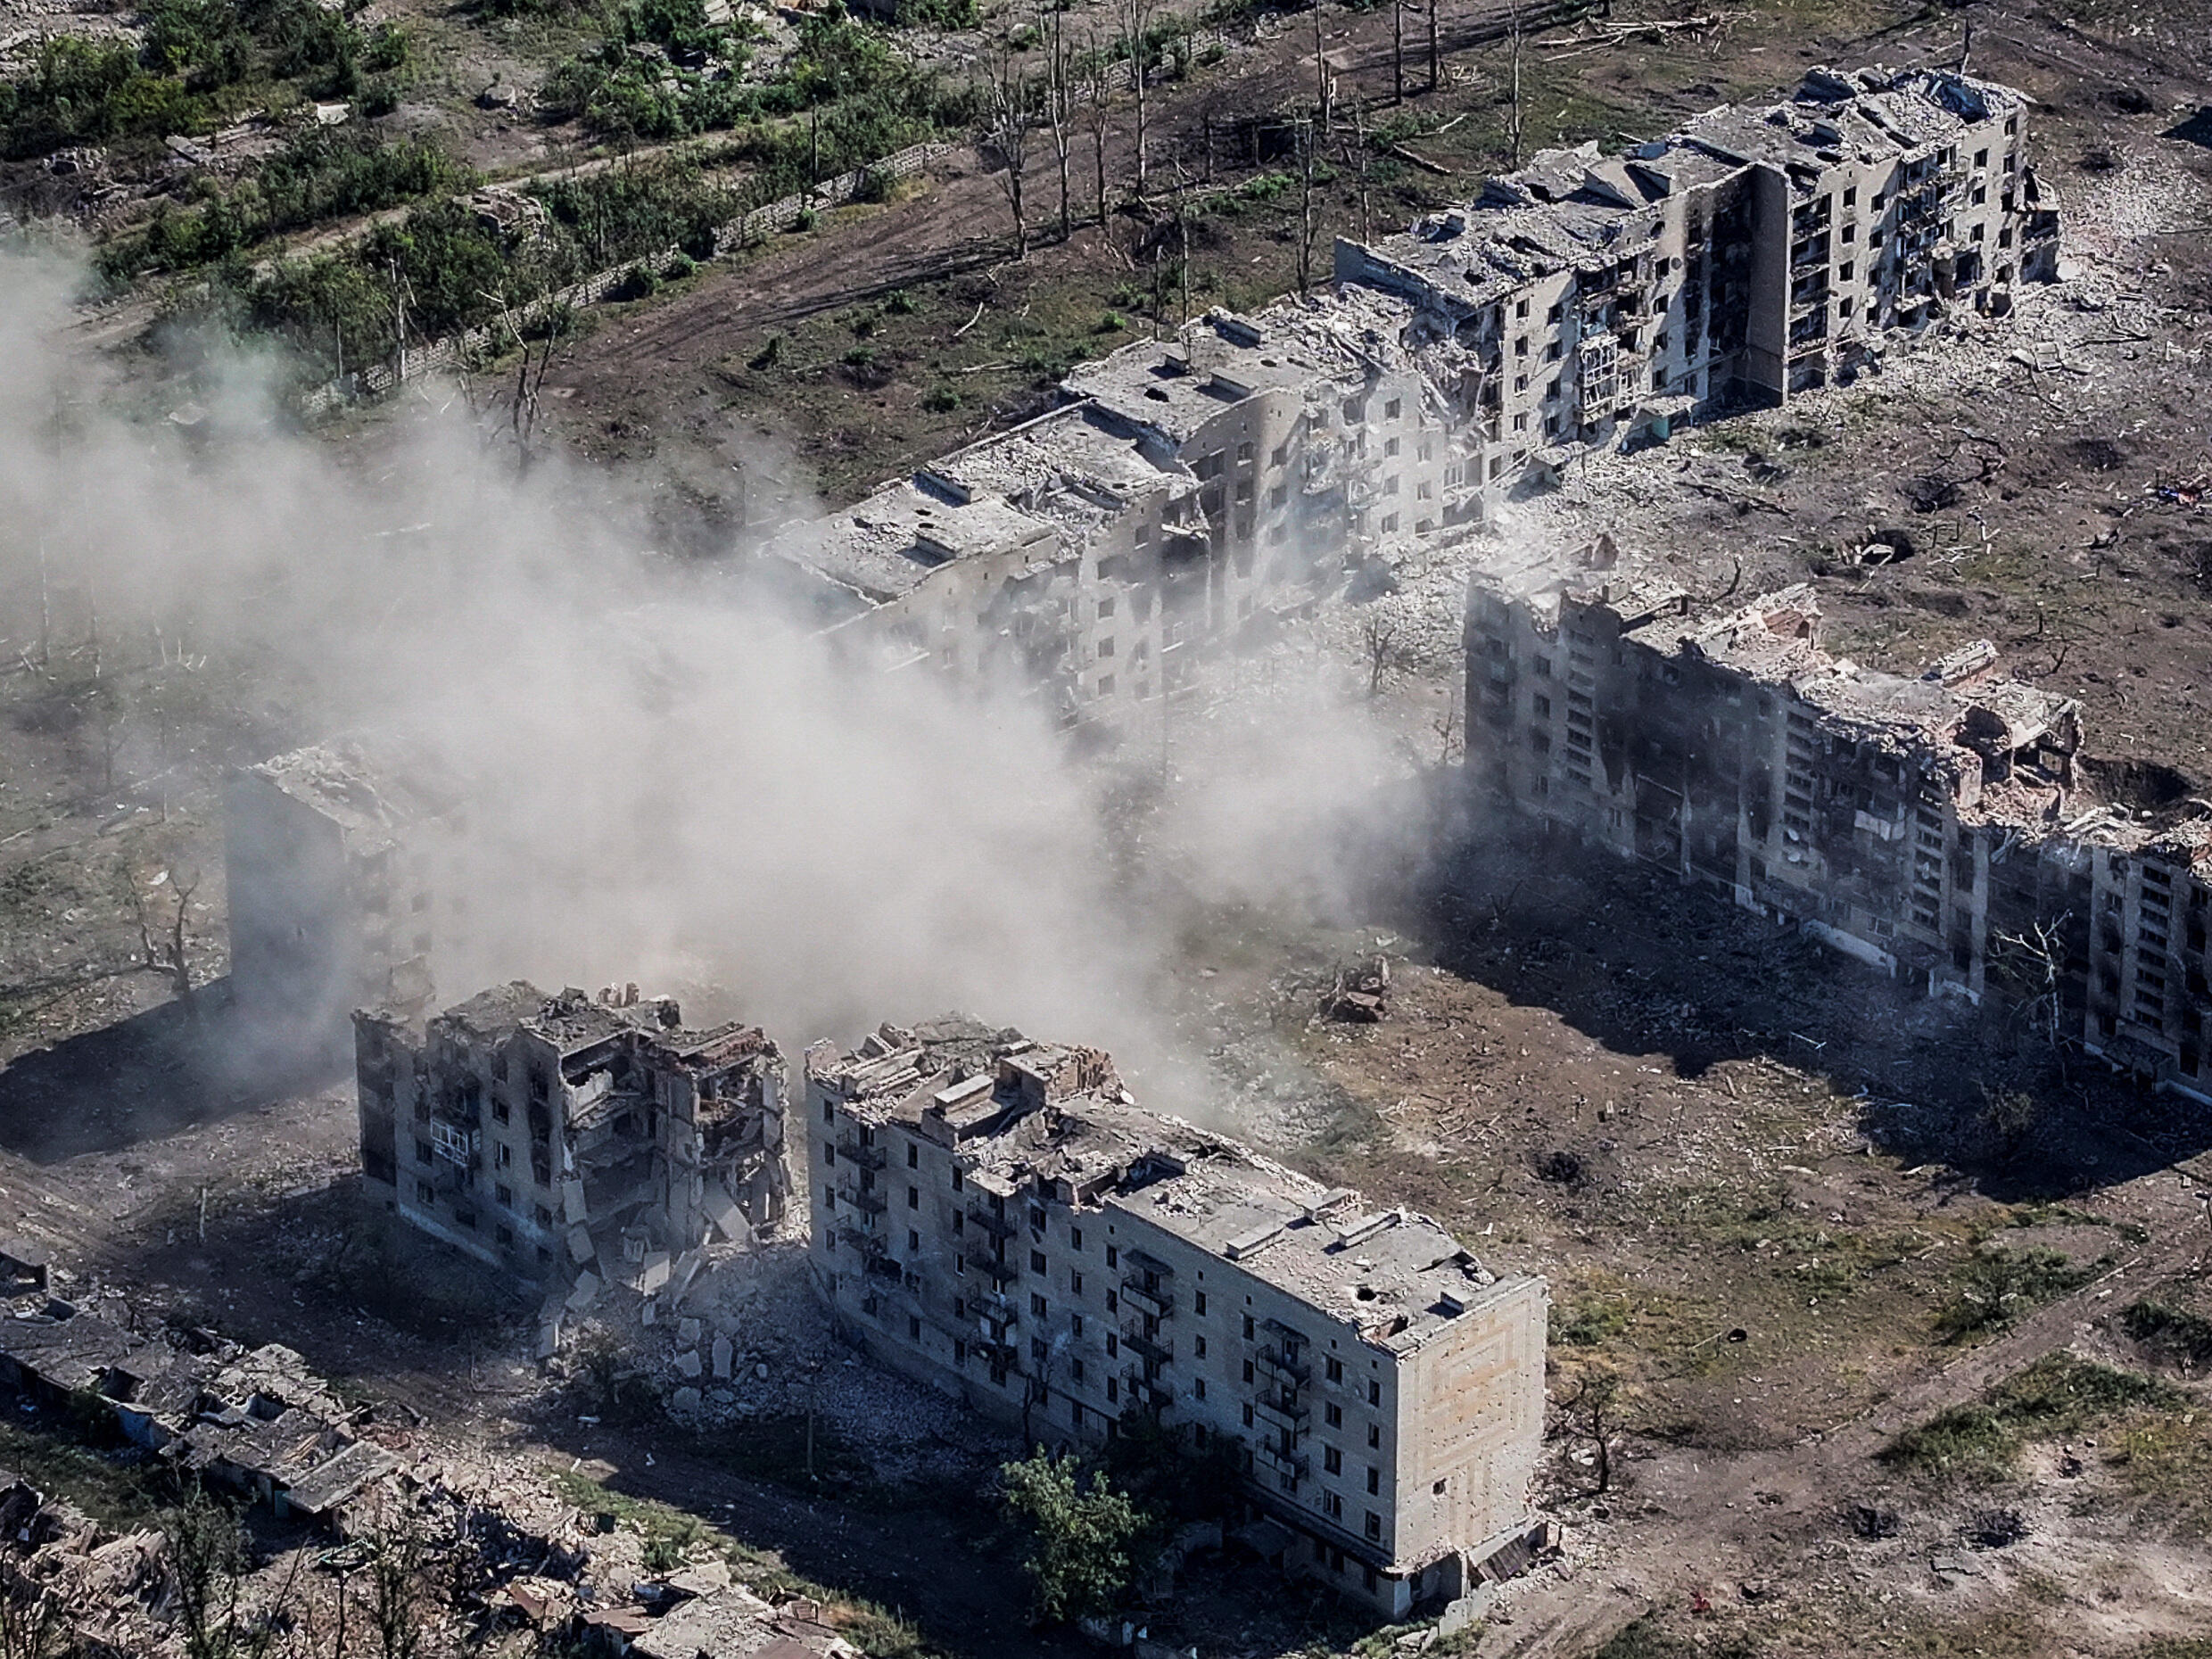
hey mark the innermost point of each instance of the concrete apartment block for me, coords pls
(550, 1134)
(1186, 494)
(329, 904)
(1597, 302)
(1943, 829)
(992, 1215)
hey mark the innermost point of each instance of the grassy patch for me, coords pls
(120, 1489)
(2060, 1394)
(1589, 1321)
(1998, 1286)
(2171, 1332)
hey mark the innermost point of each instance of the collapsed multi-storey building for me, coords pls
(1186, 492)
(1595, 301)
(993, 1215)
(547, 1134)
(1944, 828)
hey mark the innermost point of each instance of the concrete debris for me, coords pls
(1360, 995)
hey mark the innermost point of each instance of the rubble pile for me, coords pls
(743, 1339)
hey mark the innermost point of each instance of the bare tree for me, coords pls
(1006, 130)
(1098, 116)
(2031, 965)
(1436, 56)
(165, 943)
(1136, 30)
(1378, 638)
(1513, 131)
(32, 1624)
(1307, 139)
(1321, 65)
(1446, 726)
(208, 1570)
(400, 1559)
(1398, 50)
(1592, 1413)
(1059, 105)
(1356, 153)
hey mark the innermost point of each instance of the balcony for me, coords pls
(1289, 1465)
(998, 1271)
(1157, 1303)
(851, 1152)
(1289, 1373)
(1149, 1348)
(868, 1201)
(1144, 1391)
(865, 1240)
(992, 1222)
(1286, 1415)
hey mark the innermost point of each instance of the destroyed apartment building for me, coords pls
(1944, 828)
(1186, 493)
(543, 1135)
(1594, 302)
(332, 904)
(992, 1216)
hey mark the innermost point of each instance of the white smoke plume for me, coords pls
(668, 782)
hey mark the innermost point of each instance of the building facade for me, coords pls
(1186, 494)
(331, 901)
(1594, 302)
(1944, 828)
(548, 1134)
(992, 1215)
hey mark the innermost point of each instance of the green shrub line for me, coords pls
(200, 63)
(2060, 1394)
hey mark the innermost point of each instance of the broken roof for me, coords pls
(370, 791)
(575, 1021)
(1577, 211)
(1054, 1119)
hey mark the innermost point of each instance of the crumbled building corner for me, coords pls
(994, 1216)
(574, 1140)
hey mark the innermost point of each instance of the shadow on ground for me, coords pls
(154, 1074)
(1635, 960)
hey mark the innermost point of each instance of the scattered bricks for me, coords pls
(586, 1292)
(688, 1331)
(722, 1354)
(687, 1363)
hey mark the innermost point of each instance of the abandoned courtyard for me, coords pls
(1877, 1316)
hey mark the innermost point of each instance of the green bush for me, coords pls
(2000, 1285)
(2060, 1394)
(198, 61)
(940, 400)
(2171, 1331)
(322, 175)
(1083, 1534)
(680, 266)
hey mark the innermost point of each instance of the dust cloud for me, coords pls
(667, 781)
